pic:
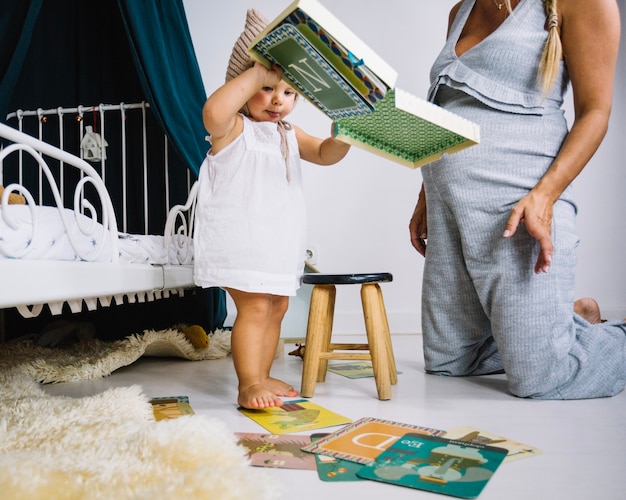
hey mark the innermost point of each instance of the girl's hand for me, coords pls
(268, 77)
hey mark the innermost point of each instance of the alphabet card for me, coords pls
(437, 464)
(295, 416)
(171, 407)
(277, 451)
(331, 469)
(515, 449)
(364, 439)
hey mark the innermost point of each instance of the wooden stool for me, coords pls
(318, 348)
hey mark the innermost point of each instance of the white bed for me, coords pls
(75, 253)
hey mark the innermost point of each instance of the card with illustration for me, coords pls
(295, 416)
(515, 450)
(353, 369)
(364, 439)
(437, 464)
(331, 469)
(278, 451)
(171, 407)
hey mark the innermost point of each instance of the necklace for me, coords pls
(498, 4)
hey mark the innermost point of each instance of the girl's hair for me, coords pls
(552, 51)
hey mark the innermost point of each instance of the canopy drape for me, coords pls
(105, 51)
(168, 70)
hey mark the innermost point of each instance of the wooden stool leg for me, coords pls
(393, 373)
(375, 328)
(316, 331)
(327, 334)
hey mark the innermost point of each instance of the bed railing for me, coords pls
(90, 213)
(90, 210)
(179, 226)
(125, 146)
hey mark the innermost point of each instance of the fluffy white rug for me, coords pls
(109, 446)
(94, 358)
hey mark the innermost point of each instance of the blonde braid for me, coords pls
(552, 51)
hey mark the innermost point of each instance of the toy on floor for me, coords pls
(196, 335)
(14, 198)
(298, 351)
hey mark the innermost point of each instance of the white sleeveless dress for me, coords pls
(250, 223)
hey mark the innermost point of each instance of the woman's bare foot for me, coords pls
(256, 397)
(279, 388)
(589, 309)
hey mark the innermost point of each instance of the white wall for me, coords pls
(359, 209)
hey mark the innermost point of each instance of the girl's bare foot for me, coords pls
(279, 388)
(589, 309)
(256, 397)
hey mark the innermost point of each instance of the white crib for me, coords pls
(68, 244)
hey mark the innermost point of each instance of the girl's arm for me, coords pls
(320, 151)
(220, 113)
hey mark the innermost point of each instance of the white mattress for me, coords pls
(49, 240)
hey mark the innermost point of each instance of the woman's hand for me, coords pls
(535, 211)
(418, 227)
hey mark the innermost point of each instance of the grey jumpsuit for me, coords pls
(484, 310)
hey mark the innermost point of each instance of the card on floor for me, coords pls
(295, 416)
(353, 369)
(171, 407)
(515, 450)
(437, 464)
(278, 451)
(331, 469)
(364, 439)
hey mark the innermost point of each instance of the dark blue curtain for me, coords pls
(17, 22)
(168, 69)
(69, 52)
(64, 52)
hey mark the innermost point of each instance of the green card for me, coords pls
(331, 469)
(433, 463)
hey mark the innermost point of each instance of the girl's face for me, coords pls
(272, 104)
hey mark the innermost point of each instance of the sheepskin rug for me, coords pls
(109, 446)
(93, 358)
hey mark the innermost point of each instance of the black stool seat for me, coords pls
(345, 279)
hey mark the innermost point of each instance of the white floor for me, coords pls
(583, 442)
